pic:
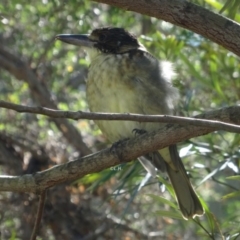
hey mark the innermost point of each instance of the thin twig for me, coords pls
(39, 215)
(205, 230)
(224, 184)
(215, 124)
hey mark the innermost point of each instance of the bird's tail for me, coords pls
(168, 160)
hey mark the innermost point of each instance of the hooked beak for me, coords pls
(76, 39)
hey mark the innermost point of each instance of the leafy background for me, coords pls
(121, 202)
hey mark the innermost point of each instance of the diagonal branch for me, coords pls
(215, 27)
(125, 152)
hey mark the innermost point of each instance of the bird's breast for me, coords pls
(111, 89)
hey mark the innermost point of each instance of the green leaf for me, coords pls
(231, 195)
(175, 215)
(233, 177)
(163, 200)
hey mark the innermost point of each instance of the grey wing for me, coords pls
(153, 81)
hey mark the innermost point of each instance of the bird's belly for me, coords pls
(105, 93)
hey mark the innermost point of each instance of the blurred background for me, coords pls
(121, 202)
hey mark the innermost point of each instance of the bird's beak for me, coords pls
(76, 39)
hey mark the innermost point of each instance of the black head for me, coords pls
(113, 40)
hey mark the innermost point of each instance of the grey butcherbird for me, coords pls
(125, 78)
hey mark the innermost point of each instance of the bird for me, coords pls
(123, 77)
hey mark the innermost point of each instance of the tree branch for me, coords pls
(215, 27)
(214, 123)
(125, 152)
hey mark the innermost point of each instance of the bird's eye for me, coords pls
(102, 37)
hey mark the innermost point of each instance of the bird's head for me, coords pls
(103, 40)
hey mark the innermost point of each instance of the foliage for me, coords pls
(125, 197)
